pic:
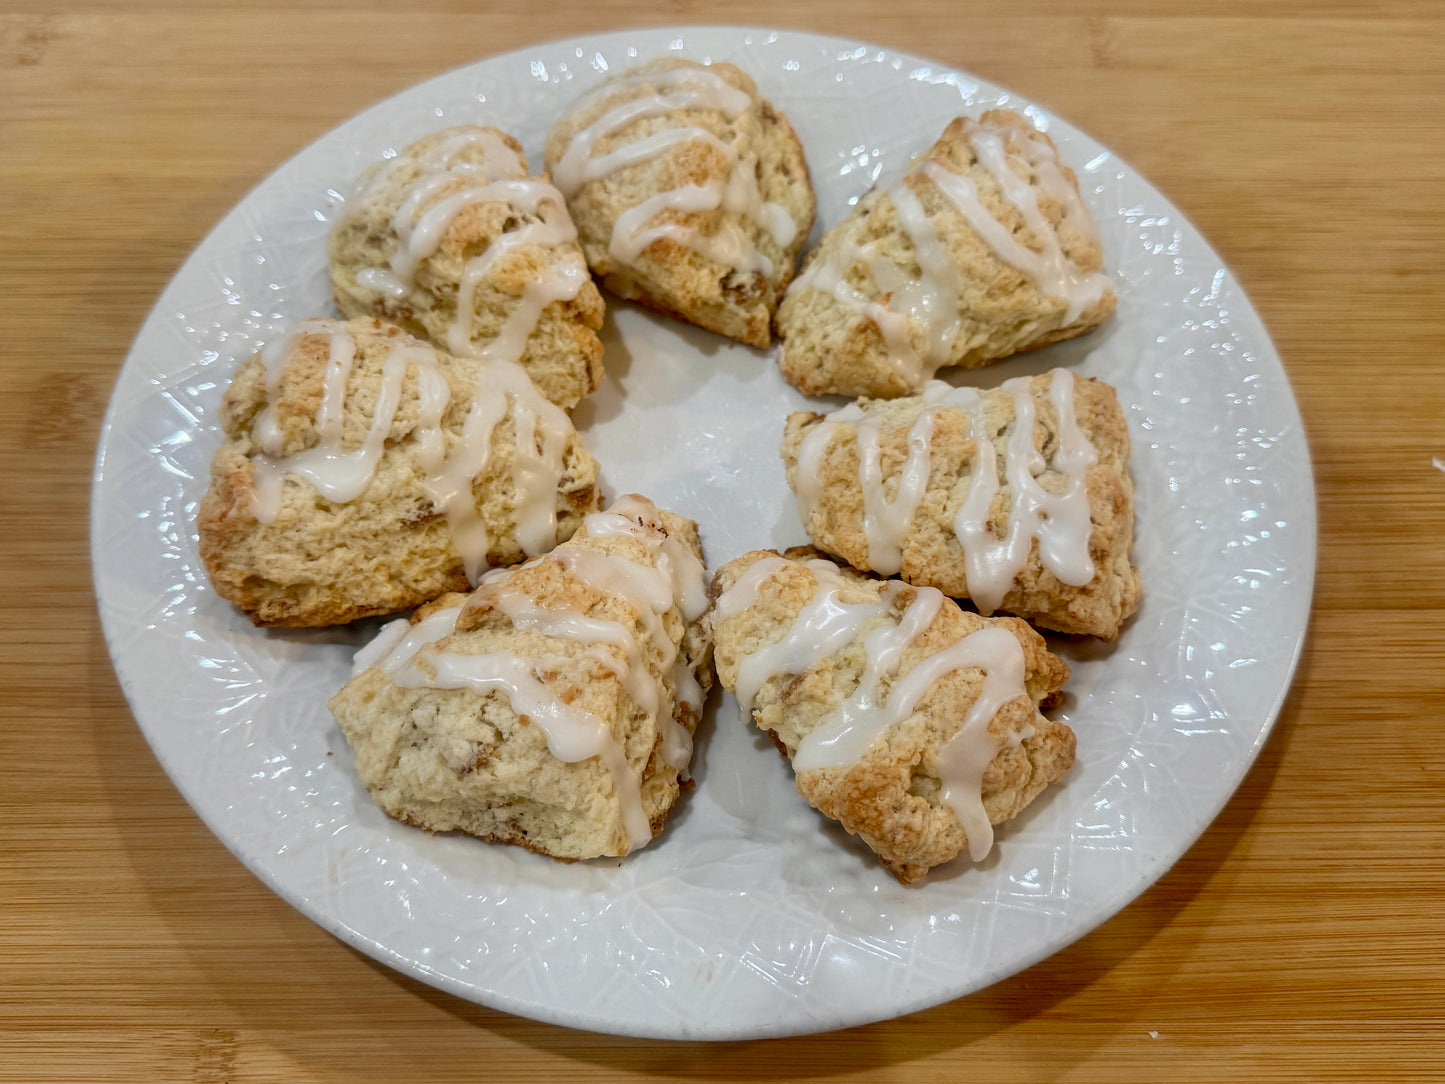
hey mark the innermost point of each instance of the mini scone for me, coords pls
(1018, 498)
(554, 706)
(453, 241)
(911, 722)
(365, 472)
(690, 193)
(984, 249)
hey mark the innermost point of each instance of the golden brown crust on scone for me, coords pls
(983, 306)
(456, 758)
(931, 552)
(511, 239)
(757, 145)
(891, 797)
(322, 561)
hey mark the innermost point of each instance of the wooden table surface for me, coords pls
(1302, 936)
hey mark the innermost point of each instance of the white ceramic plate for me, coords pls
(750, 915)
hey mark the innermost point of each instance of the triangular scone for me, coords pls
(983, 250)
(453, 241)
(364, 472)
(911, 722)
(1036, 521)
(689, 191)
(553, 707)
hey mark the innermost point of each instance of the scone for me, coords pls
(983, 250)
(554, 706)
(1036, 519)
(453, 241)
(911, 722)
(690, 193)
(365, 472)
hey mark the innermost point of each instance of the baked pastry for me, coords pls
(364, 472)
(1037, 520)
(690, 193)
(453, 241)
(554, 706)
(911, 722)
(983, 250)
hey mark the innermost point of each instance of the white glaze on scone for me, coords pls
(554, 706)
(911, 722)
(1017, 498)
(689, 191)
(982, 250)
(365, 472)
(452, 239)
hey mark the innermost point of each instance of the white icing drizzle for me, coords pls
(340, 355)
(338, 476)
(646, 588)
(1061, 523)
(812, 452)
(382, 281)
(743, 594)
(573, 735)
(932, 302)
(676, 89)
(274, 355)
(868, 712)
(691, 88)
(434, 395)
(830, 277)
(538, 467)
(885, 522)
(597, 635)
(400, 640)
(1053, 272)
(380, 646)
(1040, 154)
(727, 245)
(688, 694)
(929, 304)
(447, 183)
(685, 573)
(497, 158)
(558, 282)
(825, 625)
(676, 581)
(541, 430)
(967, 755)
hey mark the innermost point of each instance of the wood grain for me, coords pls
(1301, 937)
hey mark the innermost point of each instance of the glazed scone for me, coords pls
(983, 250)
(453, 241)
(689, 191)
(364, 472)
(553, 707)
(911, 722)
(1036, 521)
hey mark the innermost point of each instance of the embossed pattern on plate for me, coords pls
(750, 916)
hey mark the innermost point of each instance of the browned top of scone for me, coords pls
(503, 274)
(722, 261)
(324, 561)
(448, 758)
(981, 304)
(931, 552)
(891, 797)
